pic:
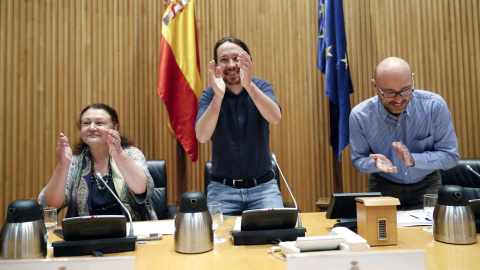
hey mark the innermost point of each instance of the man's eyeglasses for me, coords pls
(394, 94)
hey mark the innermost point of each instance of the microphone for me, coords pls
(99, 176)
(97, 246)
(269, 236)
(470, 169)
(288, 188)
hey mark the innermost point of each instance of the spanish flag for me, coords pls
(179, 82)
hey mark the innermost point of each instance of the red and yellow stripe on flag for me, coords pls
(179, 82)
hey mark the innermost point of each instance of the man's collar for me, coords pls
(228, 91)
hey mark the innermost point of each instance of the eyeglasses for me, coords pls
(394, 94)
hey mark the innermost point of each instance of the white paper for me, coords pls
(412, 218)
(146, 228)
(238, 224)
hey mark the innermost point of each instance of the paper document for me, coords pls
(146, 228)
(412, 218)
(238, 224)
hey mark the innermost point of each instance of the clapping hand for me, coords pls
(246, 69)
(215, 79)
(114, 142)
(403, 153)
(64, 152)
(383, 163)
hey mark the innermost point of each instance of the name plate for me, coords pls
(391, 260)
(117, 263)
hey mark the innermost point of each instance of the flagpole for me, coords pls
(181, 169)
(337, 174)
(332, 60)
(179, 80)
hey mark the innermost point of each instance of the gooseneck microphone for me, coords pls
(286, 184)
(99, 176)
(470, 169)
(275, 233)
(97, 246)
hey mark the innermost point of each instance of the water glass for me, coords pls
(50, 219)
(216, 211)
(429, 202)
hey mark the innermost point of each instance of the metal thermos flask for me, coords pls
(24, 235)
(453, 218)
(193, 225)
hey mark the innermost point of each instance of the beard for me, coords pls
(394, 109)
(232, 81)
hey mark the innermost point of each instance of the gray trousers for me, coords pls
(410, 195)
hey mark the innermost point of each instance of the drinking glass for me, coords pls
(429, 202)
(50, 219)
(216, 211)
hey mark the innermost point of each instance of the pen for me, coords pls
(414, 216)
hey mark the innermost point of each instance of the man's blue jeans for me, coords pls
(235, 200)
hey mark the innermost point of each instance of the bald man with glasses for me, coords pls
(402, 136)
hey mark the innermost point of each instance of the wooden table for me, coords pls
(226, 256)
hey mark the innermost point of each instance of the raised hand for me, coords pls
(215, 79)
(64, 152)
(246, 69)
(114, 143)
(383, 163)
(403, 154)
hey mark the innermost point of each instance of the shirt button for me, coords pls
(405, 173)
(398, 124)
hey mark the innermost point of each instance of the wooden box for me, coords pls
(377, 220)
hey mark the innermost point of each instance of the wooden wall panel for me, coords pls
(58, 56)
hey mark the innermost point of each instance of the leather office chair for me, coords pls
(208, 179)
(158, 171)
(461, 176)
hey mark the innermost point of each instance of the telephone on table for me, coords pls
(340, 238)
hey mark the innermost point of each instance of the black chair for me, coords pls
(158, 171)
(460, 175)
(208, 179)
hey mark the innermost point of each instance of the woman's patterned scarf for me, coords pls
(81, 191)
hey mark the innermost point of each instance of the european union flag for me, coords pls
(333, 62)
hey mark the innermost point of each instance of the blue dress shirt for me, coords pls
(425, 127)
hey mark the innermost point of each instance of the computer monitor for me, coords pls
(269, 219)
(343, 208)
(94, 227)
